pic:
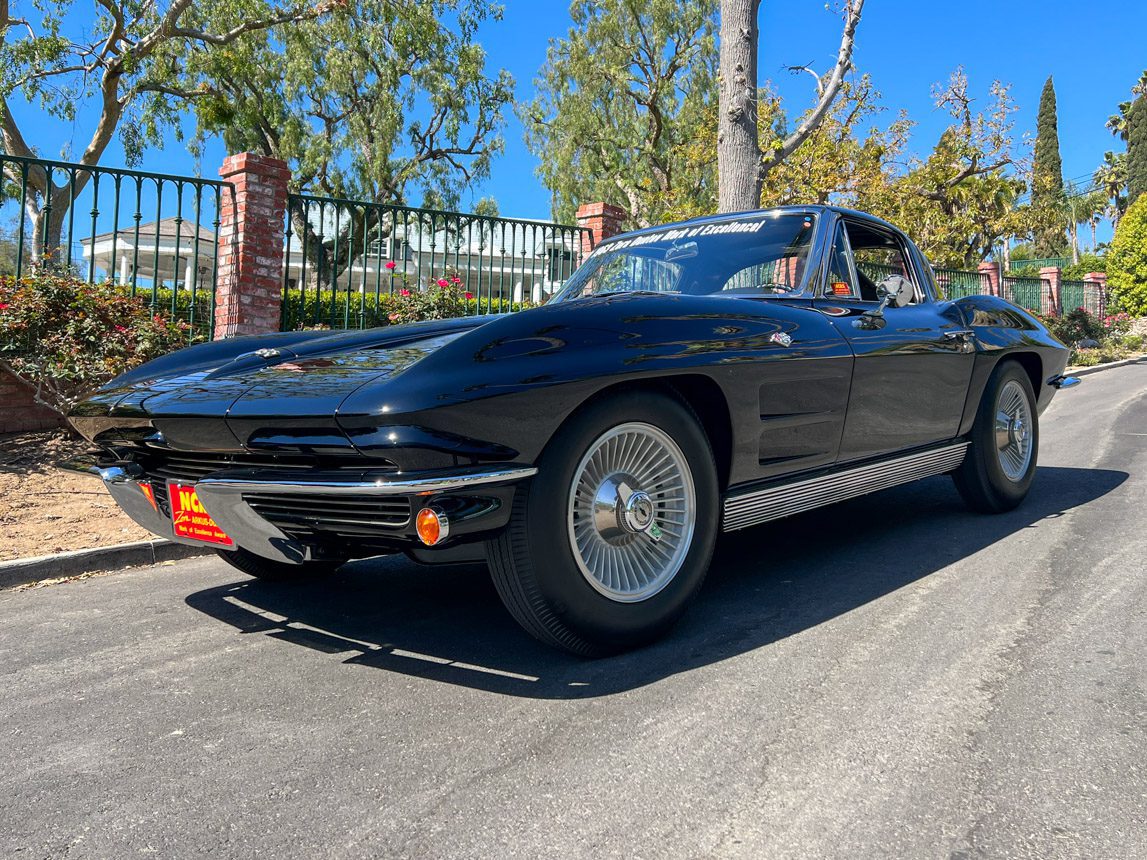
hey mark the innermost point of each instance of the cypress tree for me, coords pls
(1137, 149)
(1047, 179)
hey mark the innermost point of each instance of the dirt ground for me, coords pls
(44, 509)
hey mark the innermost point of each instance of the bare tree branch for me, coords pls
(852, 12)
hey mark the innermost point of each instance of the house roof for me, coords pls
(168, 228)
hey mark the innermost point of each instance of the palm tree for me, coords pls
(1111, 179)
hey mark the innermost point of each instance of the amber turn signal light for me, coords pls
(432, 526)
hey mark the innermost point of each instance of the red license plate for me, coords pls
(190, 520)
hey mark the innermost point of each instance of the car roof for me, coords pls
(819, 209)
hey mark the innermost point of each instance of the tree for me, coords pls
(1137, 149)
(1127, 260)
(384, 99)
(1047, 196)
(1111, 179)
(620, 101)
(1117, 122)
(834, 165)
(125, 61)
(960, 200)
(1082, 206)
(741, 162)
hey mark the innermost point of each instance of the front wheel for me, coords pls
(612, 539)
(277, 571)
(1000, 464)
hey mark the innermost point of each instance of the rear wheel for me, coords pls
(998, 470)
(612, 539)
(277, 571)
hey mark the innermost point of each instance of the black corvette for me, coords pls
(687, 380)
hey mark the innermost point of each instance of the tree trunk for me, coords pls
(47, 234)
(738, 149)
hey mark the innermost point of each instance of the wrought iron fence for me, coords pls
(1090, 296)
(344, 259)
(956, 284)
(1034, 294)
(155, 234)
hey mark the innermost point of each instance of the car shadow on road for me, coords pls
(447, 624)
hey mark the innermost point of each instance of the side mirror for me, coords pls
(895, 291)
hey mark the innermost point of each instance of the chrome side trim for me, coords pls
(783, 500)
(387, 484)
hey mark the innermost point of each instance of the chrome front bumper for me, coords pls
(222, 496)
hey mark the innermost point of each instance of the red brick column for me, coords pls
(1100, 281)
(603, 220)
(992, 270)
(248, 294)
(1054, 276)
(19, 411)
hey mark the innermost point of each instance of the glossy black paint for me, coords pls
(496, 389)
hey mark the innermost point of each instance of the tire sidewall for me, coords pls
(1010, 492)
(559, 579)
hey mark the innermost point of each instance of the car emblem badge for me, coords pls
(267, 353)
(783, 338)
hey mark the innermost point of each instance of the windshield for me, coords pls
(759, 255)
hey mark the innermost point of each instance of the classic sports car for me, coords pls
(688, 379)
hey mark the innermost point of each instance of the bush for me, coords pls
(1127, 262)
(441, 298)
(65, 337)
(1075, 326)
(1087, 264)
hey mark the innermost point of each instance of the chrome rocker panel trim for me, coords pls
(222, 496)
(783, 500)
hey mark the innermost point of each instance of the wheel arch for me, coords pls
(701, 395)
(1032, 365)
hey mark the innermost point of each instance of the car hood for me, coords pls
(287, 376)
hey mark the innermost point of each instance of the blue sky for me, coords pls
(1095, 52)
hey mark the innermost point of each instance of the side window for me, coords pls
(878, 255)
(841, 283)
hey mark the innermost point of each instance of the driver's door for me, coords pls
(912, 368)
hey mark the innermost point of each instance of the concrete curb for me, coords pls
(23, 571)
(1095, 368)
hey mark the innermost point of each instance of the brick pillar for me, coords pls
(992, 270)
(1054, 276)
(1100, 281)
(248, 294)
(603, 221)
(19, 411)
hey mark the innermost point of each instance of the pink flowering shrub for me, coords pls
(396, 298)
(65, 337)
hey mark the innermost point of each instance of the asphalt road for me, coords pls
(889, 677)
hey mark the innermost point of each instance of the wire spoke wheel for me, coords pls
(632, 512)
(1013, 424)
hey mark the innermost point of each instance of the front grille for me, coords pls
(352, 516)
(188, 467)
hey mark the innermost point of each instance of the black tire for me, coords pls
(277, 571)
(981, 479)
(533, 563)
